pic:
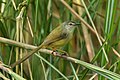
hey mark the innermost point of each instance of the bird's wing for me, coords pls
(56, 35)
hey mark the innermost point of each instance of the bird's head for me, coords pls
(70, 25)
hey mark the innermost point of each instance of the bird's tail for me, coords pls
(26, 56)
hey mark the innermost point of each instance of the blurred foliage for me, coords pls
(40, 17)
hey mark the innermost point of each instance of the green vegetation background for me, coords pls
(40, 17)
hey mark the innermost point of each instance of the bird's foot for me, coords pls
(63, 53)
(54, 53)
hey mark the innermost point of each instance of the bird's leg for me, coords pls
(54, 51)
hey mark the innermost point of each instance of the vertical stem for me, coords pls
(17, 39)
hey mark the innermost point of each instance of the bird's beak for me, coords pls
(77, 24)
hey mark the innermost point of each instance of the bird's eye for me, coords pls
(71, 23)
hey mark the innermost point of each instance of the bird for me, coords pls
(57, 38)
(60, 35)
